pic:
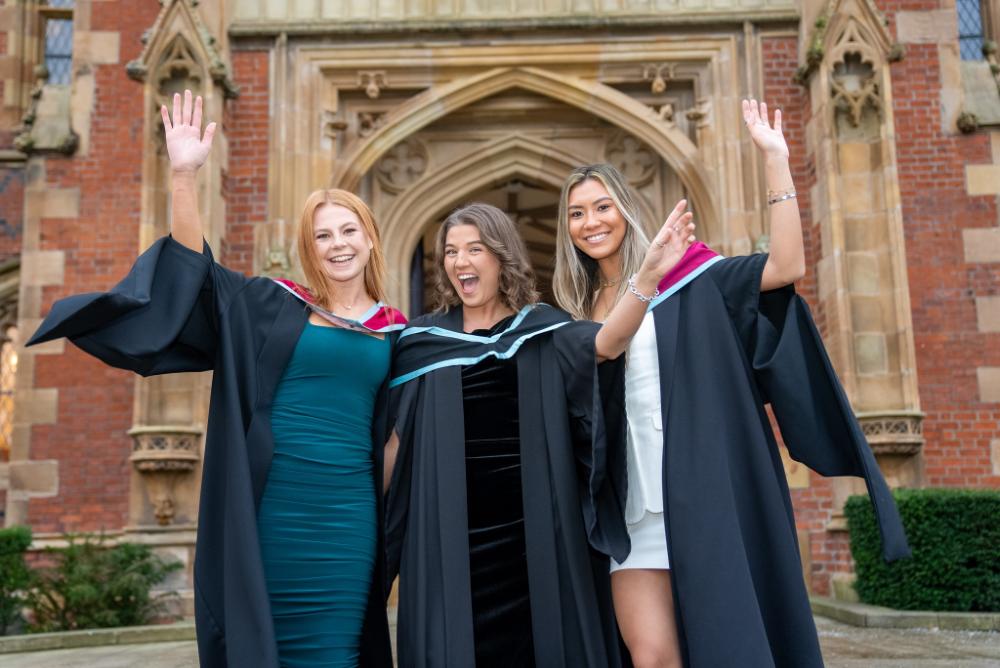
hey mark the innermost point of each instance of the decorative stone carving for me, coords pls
(373, 81)
(45, 125)
(655, 74)
(370, 121)
(634, 159)
(854, 87)
(163, 454)
(666, 112)
(899, 433)
(277, 260)
(402, 165)
(332, 126)
(180, 18)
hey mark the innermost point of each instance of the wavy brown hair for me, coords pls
(316, 279)
(499, 234)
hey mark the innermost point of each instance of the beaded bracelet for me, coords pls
(638, 295)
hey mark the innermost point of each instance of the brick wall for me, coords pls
(959, 427)
(247, 124)
(95, 402)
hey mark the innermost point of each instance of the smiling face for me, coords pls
(341, 244)
(596, 226)
(472, 269)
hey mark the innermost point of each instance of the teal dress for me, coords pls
(317, 517)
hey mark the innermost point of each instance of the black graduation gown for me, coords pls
(426, 536)
(724, 351)
(178, 310)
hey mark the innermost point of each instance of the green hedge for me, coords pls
(955, 538)
(14, 574)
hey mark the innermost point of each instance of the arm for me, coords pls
(786, 262)
(391, 450)
(187, 150)
(667, 249)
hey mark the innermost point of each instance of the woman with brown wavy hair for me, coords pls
(496, 424)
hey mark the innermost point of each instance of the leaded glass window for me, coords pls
(970, 29)
(8, 371)
(57, 18)
(59, 49)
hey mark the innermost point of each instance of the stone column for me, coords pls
(862, 277)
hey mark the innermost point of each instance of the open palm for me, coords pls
(670, 243)
(768, 138)
(186, 146)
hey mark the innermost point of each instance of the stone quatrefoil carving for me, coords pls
(632, 157)
(402, 165)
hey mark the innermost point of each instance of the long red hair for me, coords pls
(316, 279)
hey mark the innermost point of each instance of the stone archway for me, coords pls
(431, 197)
(597, 99)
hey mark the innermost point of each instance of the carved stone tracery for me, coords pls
(162, 455)
(893, 433)
(854, 87)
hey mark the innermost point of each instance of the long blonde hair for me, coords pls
(576, 278)
(499, 234)
(316, 279)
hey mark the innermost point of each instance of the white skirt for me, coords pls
(649, 545)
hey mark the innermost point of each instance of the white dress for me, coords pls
(644, 506)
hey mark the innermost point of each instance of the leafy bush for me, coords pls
(14, 574)
(955, 538)
(90, 585)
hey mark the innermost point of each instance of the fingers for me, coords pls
(196, 115)
(209, 133)
(676, 213)
(177, 120)
(166, 118)
(187, 107)
(757, 114)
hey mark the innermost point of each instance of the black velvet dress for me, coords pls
(498, 564)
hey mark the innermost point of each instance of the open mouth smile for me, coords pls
(469, 283)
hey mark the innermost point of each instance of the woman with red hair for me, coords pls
(288, 569)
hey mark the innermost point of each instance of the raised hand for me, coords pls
(768, 138)
(668, 246)
(186, 146)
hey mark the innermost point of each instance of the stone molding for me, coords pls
(247, 28)
(893, 433)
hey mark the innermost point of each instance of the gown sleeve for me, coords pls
(817, 423)
(402, 414)
(161, 318)
(595, 401)
(794, 374)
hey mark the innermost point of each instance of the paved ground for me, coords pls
(843, 647)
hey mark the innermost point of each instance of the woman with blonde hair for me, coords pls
(488, 514)
(288, 569)
(705, 562)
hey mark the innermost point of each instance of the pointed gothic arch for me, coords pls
(600, 100)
